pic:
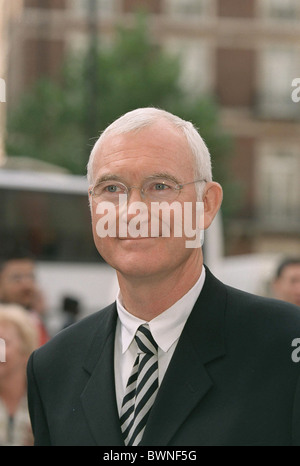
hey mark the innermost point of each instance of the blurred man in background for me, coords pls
(17, 280)
(18, 286)
(286, 284)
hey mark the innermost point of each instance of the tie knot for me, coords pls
(145, 340)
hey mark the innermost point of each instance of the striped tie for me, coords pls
(141, 388)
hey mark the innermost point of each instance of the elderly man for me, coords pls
(179, 359)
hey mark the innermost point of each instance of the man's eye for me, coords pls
(112, 188)
(161, 186)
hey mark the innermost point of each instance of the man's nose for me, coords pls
(130, 210)
(27, 284)
(134, 195)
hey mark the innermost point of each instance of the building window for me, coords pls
(103, 7)
(235, 77)
(279, 186)
(196, 64)
(131, 6)
(236, 9)
(44, 57)
(279, 65)
(47, 4)
(183, 8)
(282, 9)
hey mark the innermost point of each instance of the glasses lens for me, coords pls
(160, 189)
(109, 191)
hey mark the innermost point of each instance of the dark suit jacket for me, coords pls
(231, 380)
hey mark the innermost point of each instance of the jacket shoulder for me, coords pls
(264, 312)
(73, 341)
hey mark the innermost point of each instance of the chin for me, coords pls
(144, 257)
(137, 269)
(140, 265)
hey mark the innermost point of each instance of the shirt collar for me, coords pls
(166, 327)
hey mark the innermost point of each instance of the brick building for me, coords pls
(245, 53)
(9, 15)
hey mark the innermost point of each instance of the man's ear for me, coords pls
(212, 199)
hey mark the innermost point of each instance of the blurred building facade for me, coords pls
(10, 12)
(244, 53)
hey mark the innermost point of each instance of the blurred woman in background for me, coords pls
(19, 338)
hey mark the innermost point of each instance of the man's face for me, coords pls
(134, 157)
(17, 283)
(287, 286)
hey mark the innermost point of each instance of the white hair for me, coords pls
(144, 117)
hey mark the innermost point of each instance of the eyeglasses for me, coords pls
(153, 189)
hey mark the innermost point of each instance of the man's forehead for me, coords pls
(18, 264)
(151, 141)
(292, 269)
(161, 131)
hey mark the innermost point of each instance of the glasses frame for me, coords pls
(178, 187)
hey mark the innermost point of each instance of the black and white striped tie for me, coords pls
(141, 388)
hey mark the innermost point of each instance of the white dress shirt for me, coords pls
(166, 329)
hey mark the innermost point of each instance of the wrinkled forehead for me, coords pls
(160, 141)
(161, 132)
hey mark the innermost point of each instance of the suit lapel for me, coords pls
(98, 398)
(184, 385)
(187, 380)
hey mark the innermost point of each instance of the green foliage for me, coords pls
(44, 127)
(58, 122)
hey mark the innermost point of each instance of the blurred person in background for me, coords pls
(71, 310)
(20, 338)
(18, 286)
(286, 284)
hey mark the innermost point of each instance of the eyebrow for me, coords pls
(115, 177)
(108, 177)
(165, 175)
